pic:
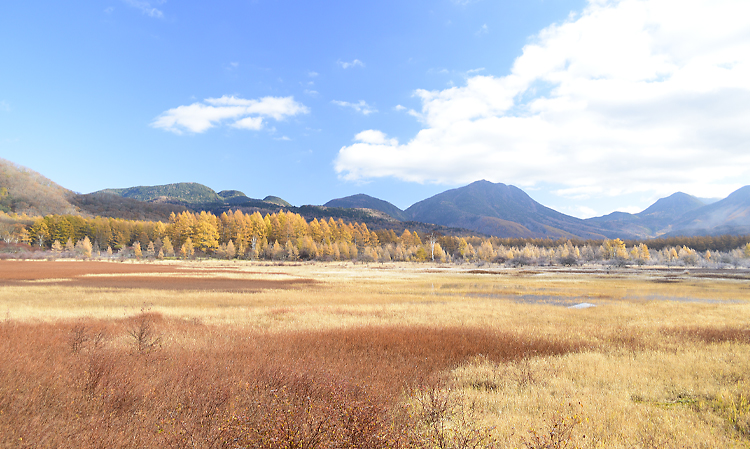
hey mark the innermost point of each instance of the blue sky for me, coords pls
(589, 106)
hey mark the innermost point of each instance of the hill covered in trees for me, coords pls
(362, 201)
(187, 193)
(24, 191)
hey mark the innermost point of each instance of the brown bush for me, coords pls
(710, 334)
(81, 384)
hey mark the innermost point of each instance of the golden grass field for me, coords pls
(439, 355)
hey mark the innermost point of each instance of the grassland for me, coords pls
(233, 354)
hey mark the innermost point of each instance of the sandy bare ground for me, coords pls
(129, 276)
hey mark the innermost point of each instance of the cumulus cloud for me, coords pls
(628, 96)
(145, 7)
(361, 107)
(241, 113)
(375, 137)
(355, 63)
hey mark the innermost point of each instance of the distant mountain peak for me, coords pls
(277, 201)
(675, 205)
(501, 210)
(363, 201)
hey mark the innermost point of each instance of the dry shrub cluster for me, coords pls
(733, 334)
(149, 381)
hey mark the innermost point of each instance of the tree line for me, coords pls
(289, 236)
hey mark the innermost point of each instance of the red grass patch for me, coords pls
(74, 273)
(69, 385)
(711, 334)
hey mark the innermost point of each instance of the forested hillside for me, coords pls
(104, 204)
(25, 191)
(187, 193)
(367, 202)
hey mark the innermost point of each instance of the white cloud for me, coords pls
(628, 96)
(482, 30)
(399, 108)
(360, 107)
(245, 114)
(375, 137)
(253, 123)
(145, 7)
(312, 74)
(4, 106)
(355, 63)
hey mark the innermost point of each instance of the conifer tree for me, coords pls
(57, 247)
(277, 251)
(137, 249)
(40, 232)
(83, 248)
(24, 237)
(406, 239)
(187, 250)
(167, 247)
(69, 247)
(344, 251)
(231, 251)
(291, 251)
(206, 232)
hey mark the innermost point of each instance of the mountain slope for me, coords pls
(104, 204)
(499, 210)
(234, 197)
(362, 201)
(188, 193)
(25, 191)
(728, 216)
(277, 201)
(655, 220)
(666, 210)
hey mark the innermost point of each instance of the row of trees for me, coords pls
(288, 236)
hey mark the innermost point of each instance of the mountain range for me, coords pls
(507, 211)
(481, 207)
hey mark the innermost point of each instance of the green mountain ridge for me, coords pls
(184, 192)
